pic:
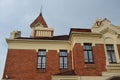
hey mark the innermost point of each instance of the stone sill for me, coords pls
(114, 65)
(41, 70)
(90, 66)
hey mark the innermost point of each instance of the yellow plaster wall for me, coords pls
(80, 77)
(38, 44)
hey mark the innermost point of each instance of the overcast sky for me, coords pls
(59, 14)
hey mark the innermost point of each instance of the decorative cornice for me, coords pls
(108, 30)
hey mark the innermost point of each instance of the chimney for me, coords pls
(15, 34)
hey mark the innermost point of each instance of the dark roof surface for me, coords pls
(39, 19)
(60, 37)
(80, 30)
(67, 73)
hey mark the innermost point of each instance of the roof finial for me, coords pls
(41, 11)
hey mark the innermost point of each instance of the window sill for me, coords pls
(41, 70)
(113, 63)
(90, 66)
(62, 70)
(89, 62)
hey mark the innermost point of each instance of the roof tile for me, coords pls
(39, 19)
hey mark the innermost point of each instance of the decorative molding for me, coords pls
(108, 30)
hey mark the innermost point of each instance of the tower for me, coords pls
(40, 28)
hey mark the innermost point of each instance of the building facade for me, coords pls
(84, 54)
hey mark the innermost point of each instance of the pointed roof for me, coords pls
(39, 19)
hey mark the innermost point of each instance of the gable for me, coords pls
(105, 28)
(39, 19)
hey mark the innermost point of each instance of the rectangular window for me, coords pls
(63, 59)
(88, 55)
(41, 59)
(110, 53)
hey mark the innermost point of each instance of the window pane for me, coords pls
(63, 53)
(61, 60)
(91, 60)
(114, 60)
(43, 59)
(39, 59)
(86, 60)
(109, 60)
(109, 47)
(39, 66)
(113, 57)
(43, 65)
(108, 55)
(65, 59)
(85, 55)
(65, 65)
(90, 55)
(60, 53)
(61, 65)
(42, 52)
(87, 47)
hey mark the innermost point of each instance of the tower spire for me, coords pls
(40, 11)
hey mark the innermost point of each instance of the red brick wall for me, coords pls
(78, 58)
(99, 58)
(21, 64)
(118, 46)
(52, 64)
(95, 69)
